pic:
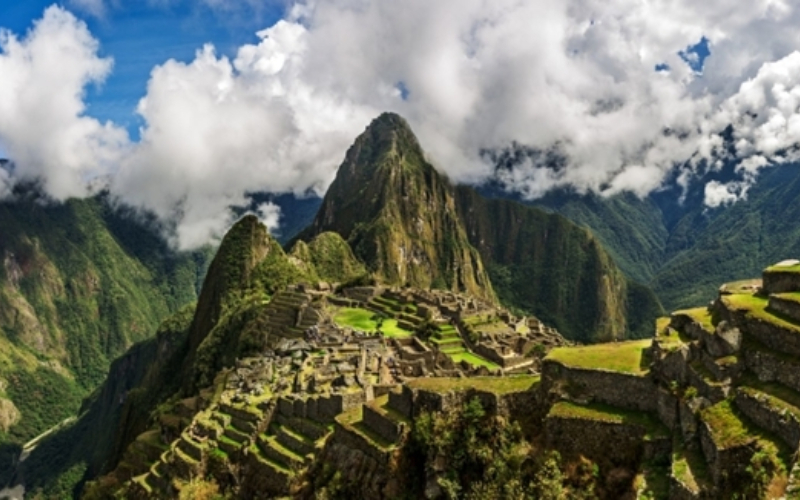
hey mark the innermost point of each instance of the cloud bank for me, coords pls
(578, 77)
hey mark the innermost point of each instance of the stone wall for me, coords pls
(259, 479)
(726, 466)
(773, 367)
(623, 390)
(319, 408)
(780, 282)
(779, 338)
(403, 401)
(667, 409)
(785, 307)
(384, 427)
(607, 443)
(783, 424)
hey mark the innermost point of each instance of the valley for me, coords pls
(413, 316)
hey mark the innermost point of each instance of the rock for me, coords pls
(731, 337)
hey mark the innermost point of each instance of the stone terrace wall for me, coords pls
(623, 390)
(726, 465)
(785, 307)
(601, 442)
(781, 423)
(773, 367)
(775, 337)
(780, 282)
(402, 402)
(386, 428)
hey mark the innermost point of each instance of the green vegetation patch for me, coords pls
(778, 396)
(624, 357)
(611, 414)
(756, 308)
(689, 467)
(497, 385)
(653, 482)
(789, 296)
(783, 269)
(474, 360)
(700, 315)
(364, 320)
(728, 428)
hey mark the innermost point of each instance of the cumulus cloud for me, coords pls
(576, 77)
(42, 122)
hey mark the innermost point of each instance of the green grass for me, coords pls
(728, 428)
(689, 467)
(756, 307)
(783, 269)
(611, 414)
(789, 296)
(497, 385)
(474, 360)
(653, 482)
(778, 396)
(624, 357)
(361, 319)
(700, 315)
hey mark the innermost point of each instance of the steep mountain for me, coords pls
(671, 242)
(389, 217)
(412, 226)
(545, 264)
(170, 369)
(80, 283)
(399, 215)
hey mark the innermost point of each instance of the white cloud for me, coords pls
(270, 215)
(578, 76)
(42, 125)
(718, 194)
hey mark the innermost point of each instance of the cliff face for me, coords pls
(544, 264)
(399, 214)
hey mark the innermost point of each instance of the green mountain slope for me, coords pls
(684, 250)
(735, 242)
(544, 264)
(158, 375)
(80, 283)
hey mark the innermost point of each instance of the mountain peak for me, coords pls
(398, 213)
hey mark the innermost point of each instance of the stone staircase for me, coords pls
(447, 339)
(285, 316)
(224, 430)
(298, 432)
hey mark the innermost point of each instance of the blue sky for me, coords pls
(139, 35)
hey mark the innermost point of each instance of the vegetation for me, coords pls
(757, 307)
(81, 282)
(366, 321)
(544, 265)
(625, 357)
(497, 385)
(606, 413)
(474, 360)
(484, 454)
(701, 315)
